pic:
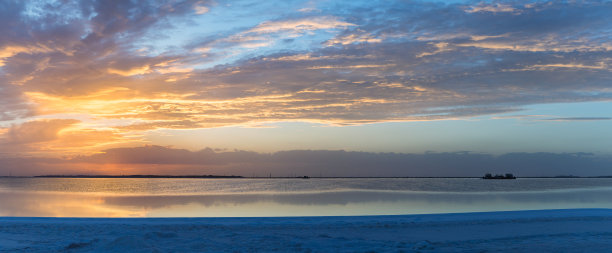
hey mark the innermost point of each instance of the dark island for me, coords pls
(507, 176)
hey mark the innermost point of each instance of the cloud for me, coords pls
(551, 118)
(200, 8)
(340, 65)
(37, 131)
(13, 104)
(26, 166)
(601, 66)
(497, 7)
(130, 72)
(10, 51)
(299, 25)
(580, 119)
(165, 160)
(354, 38)
(352, 66)
(268, 33)
(440, 47)
(59, 137)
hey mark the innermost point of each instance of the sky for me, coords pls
(111, 87)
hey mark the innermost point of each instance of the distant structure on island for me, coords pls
(507, 176)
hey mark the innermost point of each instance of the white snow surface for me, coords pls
(569, 230)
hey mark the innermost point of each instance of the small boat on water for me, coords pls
(507, 176)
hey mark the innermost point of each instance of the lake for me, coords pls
(183, 197)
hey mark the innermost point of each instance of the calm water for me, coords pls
(126, 197)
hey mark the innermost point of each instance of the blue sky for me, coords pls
(538, 128)
(78, 78)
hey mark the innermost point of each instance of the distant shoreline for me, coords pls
(136, 176)
(242, 177)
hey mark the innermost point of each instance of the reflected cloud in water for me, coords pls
(351, 202)
(57, 204)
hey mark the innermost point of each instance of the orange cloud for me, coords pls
(68, 136)
(130, 72)
(37, 131)
(90, 140)
(10, 51)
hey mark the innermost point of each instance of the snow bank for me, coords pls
(572, 230)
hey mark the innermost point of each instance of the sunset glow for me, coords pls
(234, 87)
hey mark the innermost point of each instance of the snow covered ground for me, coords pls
(575, 230)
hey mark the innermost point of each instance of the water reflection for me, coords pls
(350, 202)
(246, 185)
(57, 204)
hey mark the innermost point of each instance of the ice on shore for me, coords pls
(574, 230)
